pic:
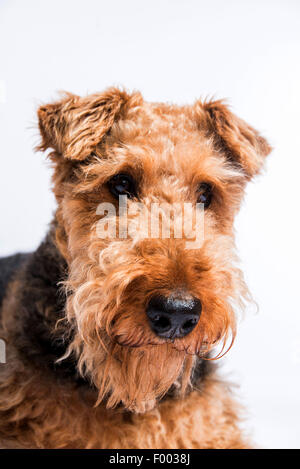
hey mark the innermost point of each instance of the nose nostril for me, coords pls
(189, 324)
(162, 322)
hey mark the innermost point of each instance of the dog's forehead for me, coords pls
(161, 137)
(163, 119)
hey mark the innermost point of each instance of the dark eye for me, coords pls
(122, 184)
(204, 194)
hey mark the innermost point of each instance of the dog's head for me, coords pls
(147, 194)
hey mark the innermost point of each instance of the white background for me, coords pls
(177, 51)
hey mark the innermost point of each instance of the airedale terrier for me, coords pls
(111, 339)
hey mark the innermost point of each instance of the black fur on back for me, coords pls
(40, 304)
(8, 267)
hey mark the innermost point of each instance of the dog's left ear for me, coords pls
(242, 144)
(74, 126)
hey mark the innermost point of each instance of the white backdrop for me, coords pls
(176, 50)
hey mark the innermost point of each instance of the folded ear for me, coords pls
(74, 126)
(242, 144)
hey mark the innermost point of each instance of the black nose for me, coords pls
(173, 317)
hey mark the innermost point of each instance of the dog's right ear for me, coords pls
(74, 126)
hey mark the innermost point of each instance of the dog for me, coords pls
(111, 340)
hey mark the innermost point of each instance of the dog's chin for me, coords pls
(137, 376)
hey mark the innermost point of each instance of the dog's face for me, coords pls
(143, 304)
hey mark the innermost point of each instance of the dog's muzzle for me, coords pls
(173, 317)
